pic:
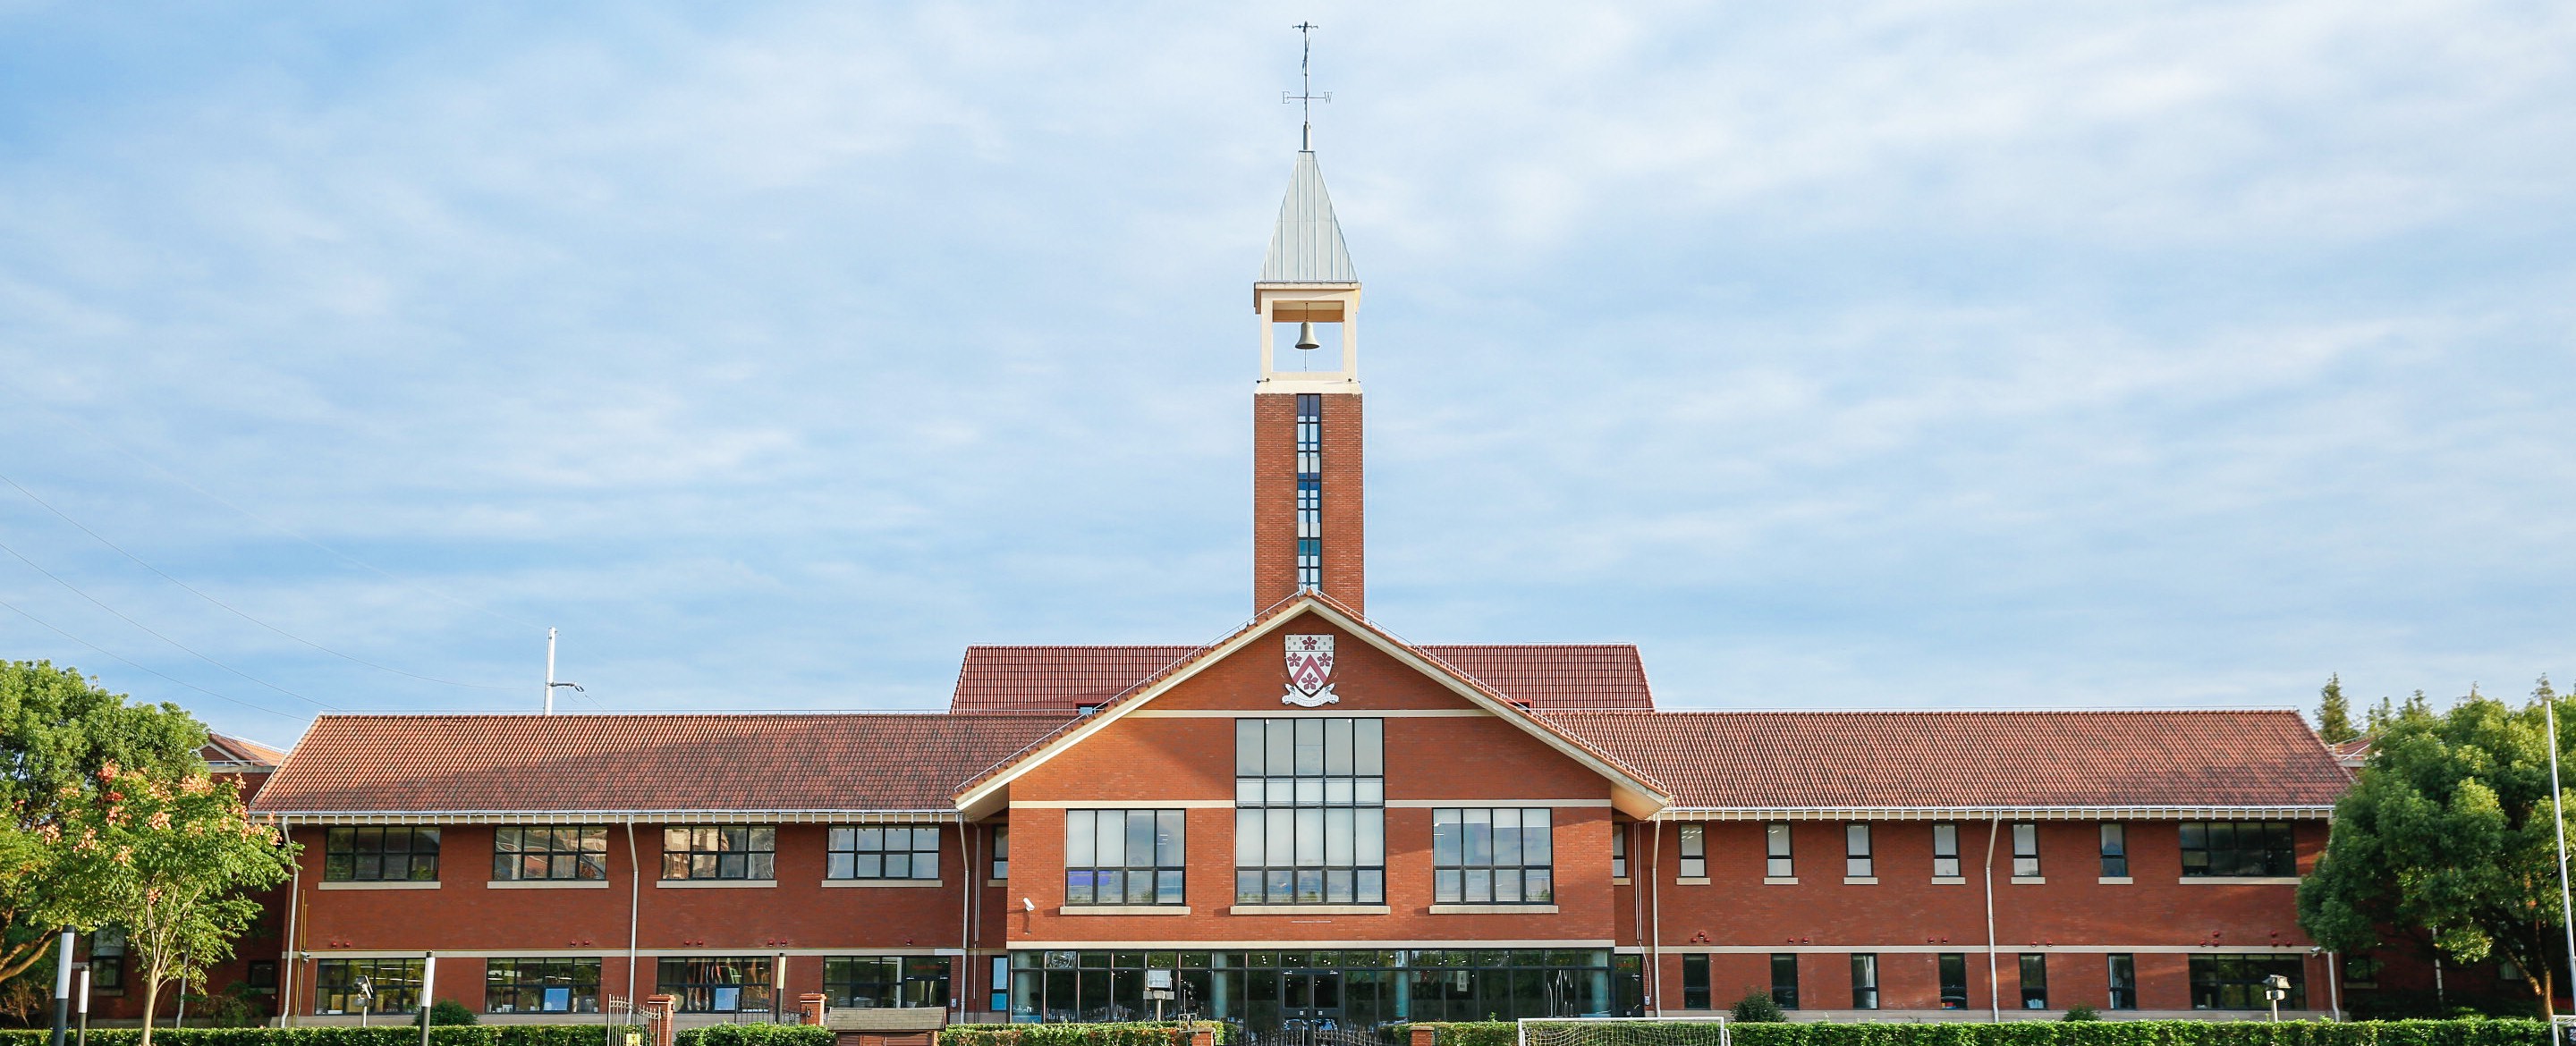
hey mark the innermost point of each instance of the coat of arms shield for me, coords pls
(1310, 672)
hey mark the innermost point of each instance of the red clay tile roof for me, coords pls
(225, 751)
(1789, 760)
(768, 762)
(1058, 678)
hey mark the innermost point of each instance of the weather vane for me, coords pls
(1306, 78)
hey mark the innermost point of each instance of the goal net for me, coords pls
(1633, 1031)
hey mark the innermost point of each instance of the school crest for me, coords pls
(1310, 672)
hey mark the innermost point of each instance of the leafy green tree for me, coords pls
(2334, 714)
(173, 860)
(57, 729)
(2450, 833)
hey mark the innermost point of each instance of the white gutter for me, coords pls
(1655, 952)
(634, 914)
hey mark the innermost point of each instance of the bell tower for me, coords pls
(1307, 528)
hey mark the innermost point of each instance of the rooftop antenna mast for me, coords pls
(1306, 96)
(550, 674)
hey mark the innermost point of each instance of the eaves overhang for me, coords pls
(2128, 812)
(594, 817)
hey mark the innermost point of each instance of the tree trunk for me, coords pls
(151, 998)
(2545, 982)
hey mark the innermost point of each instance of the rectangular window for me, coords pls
(261, 976)
(2034, 981)
(716, 985)
(1864, 982)
(1618, 851)
(2115, 850)
(2359, 971)
(1123, 856)
(2124, 982)
(1310, 490)
(720, 853)
(1309, 811)
(1775, 840)
(1694, 851)
(365, 986)
(1954, 980)
(1493, 856)
(999, 989)
(2239, 849)
(1784, 979)
(541, 985)
(2025, 840)
(371, 853)
(870, 851)
(107, 961)
(1945, 850)
(1001, 854)
(1695, 993)
(2235, 982)
(549, 853)
(886, 981)
(1856, 860)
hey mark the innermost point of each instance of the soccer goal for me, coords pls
(2562, 1030)
(1632, 1031)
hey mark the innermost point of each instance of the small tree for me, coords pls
(172, 859)
(1757, 1007)
(2334, 714)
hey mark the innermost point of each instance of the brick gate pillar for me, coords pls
(809, 1008)
(663, 1012)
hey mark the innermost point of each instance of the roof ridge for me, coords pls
(2247, 710)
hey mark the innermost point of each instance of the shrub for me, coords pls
(756, 1035)
(2081, 1012)
(2093, 1033)
(1758, 1008)
(443, 1013)
(1105, 1033)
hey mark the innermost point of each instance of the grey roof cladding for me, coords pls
(1307, 245)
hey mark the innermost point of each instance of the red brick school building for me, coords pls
(1306, 817)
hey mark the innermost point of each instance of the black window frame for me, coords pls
(702, 981)
(704, 857)
(2115, 850)
(2121, 973)
(1693, 848)
(1952, 856)
(349, 852)
(1695, 985)
(1164, 867)
(911, 982)
(1858, 863)
(2277, 856)
(578, 861)
(509, 982)
(1296, 791)
(107, 947)
(2361, 970)
(1952, 969)
(2025, 850)
(1784, 979)
(1864, 970)
(1455, 864)
(2234, 981)
(1618, 851)
(333, 980)
(998, 859)
(868, 852)
(1779, 860)
(2034, 980)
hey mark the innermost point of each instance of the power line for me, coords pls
(273, 524)
(75, 590)
(103, 651)
(236, 611)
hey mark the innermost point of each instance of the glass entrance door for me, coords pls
(1313, 997)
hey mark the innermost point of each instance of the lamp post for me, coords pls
(2566, 910)
(63, 987)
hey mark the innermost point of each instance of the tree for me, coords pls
(60, 728)
(173, 860)
(2334, 714)
(2449, 833)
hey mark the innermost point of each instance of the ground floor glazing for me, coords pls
(1336, 988)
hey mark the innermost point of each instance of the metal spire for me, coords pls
(1306, 97)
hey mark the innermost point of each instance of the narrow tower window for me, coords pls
(1310, 490)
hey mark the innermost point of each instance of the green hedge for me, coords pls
(376, 1035)
(2089, 1033)
(1125, 1033)
(755, 1035)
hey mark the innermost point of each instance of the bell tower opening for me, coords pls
(1307, 523)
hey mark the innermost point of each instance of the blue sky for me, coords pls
(1862, 355)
